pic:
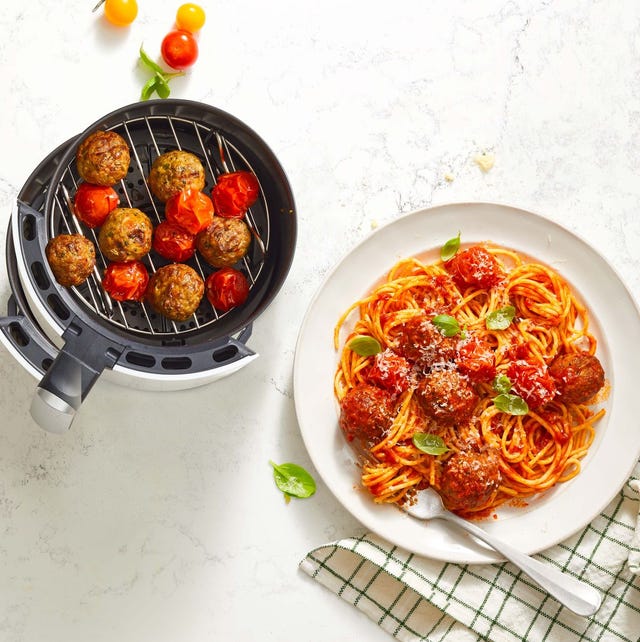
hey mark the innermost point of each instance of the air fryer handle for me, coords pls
(70, 377)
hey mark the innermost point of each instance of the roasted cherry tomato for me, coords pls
(92, 203)
(532, 382)
(190, 17)
(190, 209)
(125, 281)
(173, 242)
(179, 49)
(390, 371)
(476, 359)
(120, 12)
(476, 267)
(235, 193)
(226, 288)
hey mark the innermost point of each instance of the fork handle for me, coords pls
(576, 595)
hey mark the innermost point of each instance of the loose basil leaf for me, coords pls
(449, 249)
(364, 345)
(502, 384)
(148, 89)
(162, 86)
(511, 404)
(153, 66)
(500, 319)
(430, 444)
(293, 480)
(446, 324)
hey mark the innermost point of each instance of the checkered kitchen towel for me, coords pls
(415, 598)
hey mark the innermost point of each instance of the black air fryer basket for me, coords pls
(97, 332)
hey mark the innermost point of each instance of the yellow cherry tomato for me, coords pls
(120, 12)
(190, 17)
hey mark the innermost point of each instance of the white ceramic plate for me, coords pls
(615, 320)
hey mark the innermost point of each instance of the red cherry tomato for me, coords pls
(173, 242)
(179, 49)
(191, 210)
(476, 359)
(532, 382)
(476, 267)
(234, 194)
(125, 281)
(92, 203)
(226, 288)
(390, 371)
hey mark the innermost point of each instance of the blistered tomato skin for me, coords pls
(227, 288)
(191, 210)
(120, 12)
(173, 242)
(125, 281)
(92, 203)
(235, 193)
(179, 49)
(190, 17)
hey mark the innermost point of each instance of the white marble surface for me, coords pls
(155, 517)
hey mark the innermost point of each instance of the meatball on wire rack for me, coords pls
(148, 137)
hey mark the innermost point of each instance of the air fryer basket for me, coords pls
(99, 333)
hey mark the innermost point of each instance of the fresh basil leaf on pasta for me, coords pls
(293, 480)
(446, 324)
(449, 249)
(500, 319)
(430, 444)
(364, 346)
(511, 404)
(502, 384)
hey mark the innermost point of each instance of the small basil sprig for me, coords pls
(500, 319)
(446, 324)
(449, 249)
(159, 82)
(364, 345)
(293, 480)
(511, 404)
(430, 444)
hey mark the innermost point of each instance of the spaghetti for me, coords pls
(488, 359)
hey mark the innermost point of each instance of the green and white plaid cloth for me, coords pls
(416, 598)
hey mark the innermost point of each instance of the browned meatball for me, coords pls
(578, 376)
(175, 291)
(125, 235)
(224, 241)
(447, 397)
(103, 158)
(174, 171)
(366, 412)
(420, 342)
(72, 258)
(469, 478)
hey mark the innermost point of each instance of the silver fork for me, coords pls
(576, 595)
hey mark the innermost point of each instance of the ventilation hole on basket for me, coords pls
(39, 274)
(176, 363)
(29, 228)
(46, 363)
(18, 335)
(139, 359)
(58, 308)
(225, 354)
